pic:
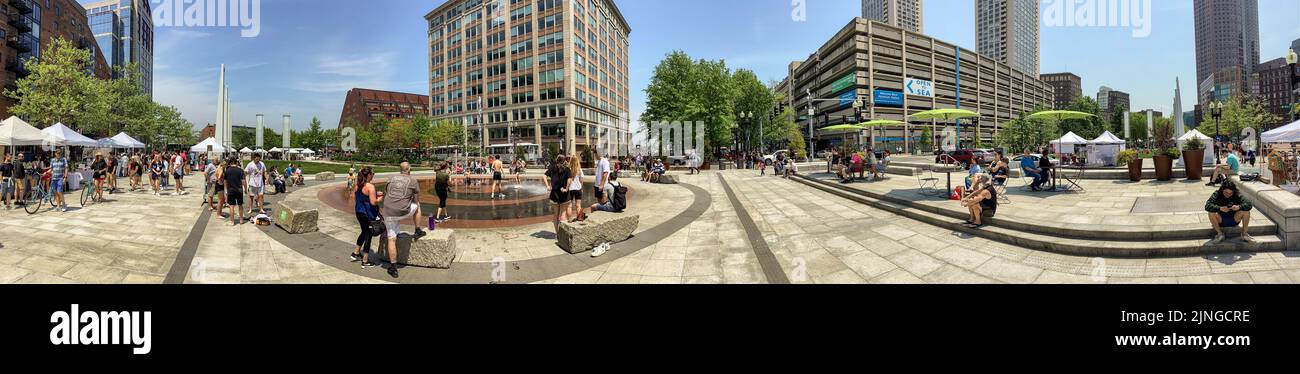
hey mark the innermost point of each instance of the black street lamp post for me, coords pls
(1216, 111)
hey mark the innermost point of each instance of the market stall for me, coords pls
(1206, 140)
(1105, 149)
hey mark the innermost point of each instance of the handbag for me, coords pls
(377, 227)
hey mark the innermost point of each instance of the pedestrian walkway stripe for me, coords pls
(766, 259)
(182, 265)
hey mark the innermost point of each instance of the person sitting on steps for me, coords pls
(982, 202)
(1228, 208)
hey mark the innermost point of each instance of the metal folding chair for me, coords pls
(929, 185)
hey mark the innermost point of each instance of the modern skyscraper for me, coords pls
(1067, 87)
(905, 14)
(124, 31)
(553, 73)
(1227, 47)
(1111, 101)
(1007, 30)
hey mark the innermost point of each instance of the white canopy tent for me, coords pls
(1066, 143)
(276, 150)
(202, 147)
(1105, 149)
(1206, 140)
(1285, 134)
(308, 151)
(61, 135)
(122, 140)
(14, 131)
(246, 150)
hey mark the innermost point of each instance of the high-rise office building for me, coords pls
(124, 31)
(29, 30)
(905, 14)
(1227, 47)
(552, 73)
(1007, 30)
(1111, 101)
(1066, 86)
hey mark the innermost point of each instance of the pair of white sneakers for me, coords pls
(600, 250)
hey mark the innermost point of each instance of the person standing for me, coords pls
(210, 185)
(441, 185)
(20, 180)
(574, 184)
(100, 172)
(557, 179)
(235, 185)
(178, 172)
(111, 160)
(401, 202)
(497, 168)
(602, 174)
(256, 175)
(156, 172)
(366, 200)
(136, 169)
(58, 180)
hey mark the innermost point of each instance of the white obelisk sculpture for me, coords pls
(1180, 128)
(219, 127)
(259, 131)
(287, 132)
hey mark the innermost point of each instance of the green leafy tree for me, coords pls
(1089, 128)
(1240, 113)
(422, 127)
(1137, 126)
(59, 89)
(693, 91)
(1023, 133)
(445, 133)
(314, 138)
(752, 96)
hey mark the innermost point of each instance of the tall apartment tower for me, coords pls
(1227, 47)
(1008, 31)
(905, 14)
(124, 31)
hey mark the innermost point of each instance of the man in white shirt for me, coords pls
(602, 173)
(255, 178)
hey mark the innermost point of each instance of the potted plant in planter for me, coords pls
(1166, 151)
(1134, 162)
(1193, 158)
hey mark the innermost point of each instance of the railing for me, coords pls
(20, 22)
(23, 6)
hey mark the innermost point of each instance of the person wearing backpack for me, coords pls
(613, 200)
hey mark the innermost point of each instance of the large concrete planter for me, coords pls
(1135, 170)
(1164, 168)
(1192, 162)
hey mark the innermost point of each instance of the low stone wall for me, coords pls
(1279, 205)
(325, 176)
(666, 179)
(598, 228)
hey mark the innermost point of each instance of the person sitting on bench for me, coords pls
(1228, 208)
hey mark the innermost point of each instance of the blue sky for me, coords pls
(310, 52)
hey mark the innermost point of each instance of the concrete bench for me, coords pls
(325, 176)
(295, 219)
(666, 179)
(1279, 205)
(436, 250)
(599, 228)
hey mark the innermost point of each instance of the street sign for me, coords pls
(848, 98)
(887, 98)
(846, 81)
(917, 87)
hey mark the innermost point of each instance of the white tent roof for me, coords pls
(1194, 134)
(259, 150)
(64, 136)
(122, 140)
(292, 151)
(1285, 134)
(1070, 138)
(15, 131)
(308, 151)
(246, 150)
(277, 150)
(203, 146)
(1108, 138)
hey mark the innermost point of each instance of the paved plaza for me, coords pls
(730, 227)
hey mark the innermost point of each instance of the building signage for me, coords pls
(917, 87)
(845, 82)
(847, 98)
(887, 98)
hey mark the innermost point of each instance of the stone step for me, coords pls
(1062, 245)
(1261, 225)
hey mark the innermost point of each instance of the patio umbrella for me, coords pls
(946, 115)
(873, 124)
(844, 127)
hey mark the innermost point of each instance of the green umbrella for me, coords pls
(1060, 115)
(945, 114)
(843, 127)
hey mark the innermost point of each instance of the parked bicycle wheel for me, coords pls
(34, 200)
(85, 193)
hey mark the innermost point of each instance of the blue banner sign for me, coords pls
(847, 98)
(887, 98)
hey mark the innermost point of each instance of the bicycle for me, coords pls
(90, 193)
(36, 196)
